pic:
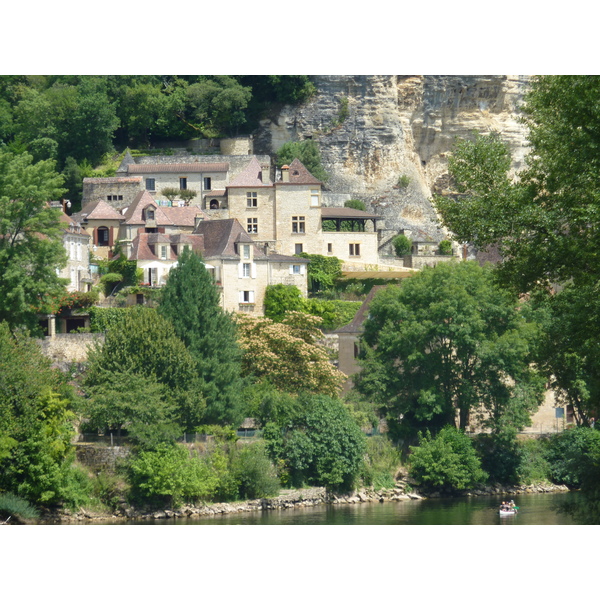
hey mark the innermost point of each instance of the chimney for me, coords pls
(285, 174)
(197, 220)
(265, 173)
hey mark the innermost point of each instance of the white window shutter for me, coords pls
(302, 269)
(241, 297)
(252, 297)
(253, 270)
(291, 269)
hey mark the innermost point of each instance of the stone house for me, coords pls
(76, 242)
(244, 269)
(102, 223)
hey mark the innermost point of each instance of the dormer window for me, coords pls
(246, 250)
(150, 214)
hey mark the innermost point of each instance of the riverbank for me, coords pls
(287, 500)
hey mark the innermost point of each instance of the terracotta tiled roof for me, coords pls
(300, 175)
(99, 210)
(184, 216)
(195, 167)
(72, 226)
(251, 176)
(133, 214)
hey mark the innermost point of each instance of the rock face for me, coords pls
(385, 139)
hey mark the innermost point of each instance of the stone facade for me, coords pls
(118, 191)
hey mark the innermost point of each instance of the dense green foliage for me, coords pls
(81, 117)
(30, 238)
(36, 425)
(281, 300)
(445, 345)
(287, 355)
(307, 152)
(446, 461)
(382, 460)
(356, 204)
(320, 445)
(172, 474)
(191, 301)
(13, 506)
(323, 271)
(143, 378)
(402, 245)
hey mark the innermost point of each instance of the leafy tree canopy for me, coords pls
(446, 345)
(30, 238)
(191, 301)
(308, 153)
(143, 376)
(286, 354)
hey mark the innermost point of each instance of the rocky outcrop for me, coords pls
(391, 148)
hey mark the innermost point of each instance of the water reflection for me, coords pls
(534, 509)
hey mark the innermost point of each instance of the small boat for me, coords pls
(505, 512)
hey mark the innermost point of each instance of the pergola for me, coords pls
(355, 218)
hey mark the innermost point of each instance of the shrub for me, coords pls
(447, 461)
(335, 313)
(14, 506)
(381, 463)
(402, 245)
(255, 475)
(356, 204)
(570, 452)
(281, 299)
(403, 181)
(170, 474)
(170, 193)
(445, 247)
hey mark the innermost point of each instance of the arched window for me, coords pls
(214, 204)
(103, 236)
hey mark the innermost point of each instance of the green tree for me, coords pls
(308, 153)
(191, 301)
(280, 299)
(447, 461)
(322, 445)
(445, 346)
(143, 350)
(286, 354)
(31, 247)
(36, 424)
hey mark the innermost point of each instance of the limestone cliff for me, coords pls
(390, 150)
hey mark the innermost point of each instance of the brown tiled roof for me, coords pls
(184, 216)
(222, 235)
(300, 175)
(141, 245)
(72, 225)
(100, 210)
(251, 176)
(339, 212)
(133, 214)
(195, 167)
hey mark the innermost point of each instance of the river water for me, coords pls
(534, 509)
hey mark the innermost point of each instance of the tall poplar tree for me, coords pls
(190, 301)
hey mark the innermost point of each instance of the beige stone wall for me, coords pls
(195, 182)
(415, 261)
(340, 243)
(282, 274)
(90, 228)
(242, 145)
(264, 211)
(295, 201)
(77, 248)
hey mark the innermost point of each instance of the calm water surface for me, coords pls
(535, 509)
